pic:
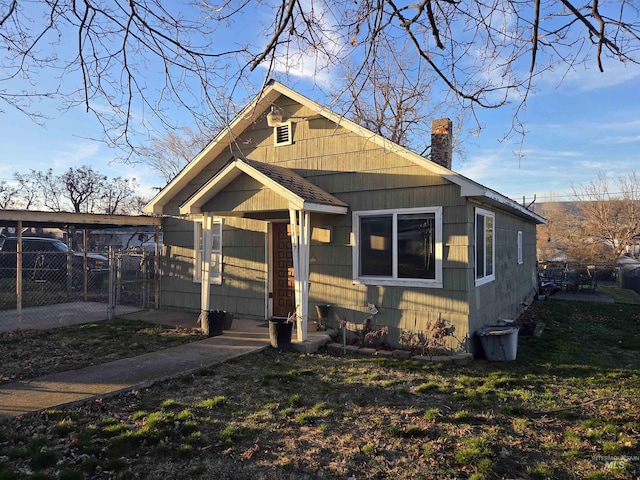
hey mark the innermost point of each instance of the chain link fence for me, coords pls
(60, 287)
(630, 278)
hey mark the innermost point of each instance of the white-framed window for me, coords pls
(282, 134)
(485, 246)
(215, 276)
(520, 261)
(398, 247)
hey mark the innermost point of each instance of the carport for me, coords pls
(71, 222)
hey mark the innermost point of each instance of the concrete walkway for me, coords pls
(245, 337)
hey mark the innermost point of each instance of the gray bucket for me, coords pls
(499, 342)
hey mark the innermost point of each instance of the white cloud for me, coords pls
(312, 65)
(69, 155)
(588, 78)
(545, 173)
(310, 62)
(6, 170)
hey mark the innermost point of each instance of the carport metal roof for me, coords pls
(93, 221)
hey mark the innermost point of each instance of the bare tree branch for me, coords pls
(135, 63)
(12, 7)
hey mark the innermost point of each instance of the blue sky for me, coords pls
(586, 124)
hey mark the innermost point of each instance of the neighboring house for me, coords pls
(122, 238)
(374, 224)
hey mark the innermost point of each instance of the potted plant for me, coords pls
(280, 330)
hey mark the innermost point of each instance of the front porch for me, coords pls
(279, 197)
(242, 328)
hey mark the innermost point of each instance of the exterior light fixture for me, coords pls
(274, 117)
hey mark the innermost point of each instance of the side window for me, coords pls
(485, 246)
(46, 247)
(215, 275)
(30, 246)
(9, 246)
(520, 261)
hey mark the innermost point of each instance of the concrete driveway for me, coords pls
(58, 315)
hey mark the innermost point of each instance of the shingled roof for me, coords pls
(295, 183)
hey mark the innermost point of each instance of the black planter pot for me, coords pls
(280, 333)
(216, 322)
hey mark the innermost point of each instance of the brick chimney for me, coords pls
(442, 142)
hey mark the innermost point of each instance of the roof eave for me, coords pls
(323, 208)
(510, 205)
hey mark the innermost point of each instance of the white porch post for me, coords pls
(205, 286)
(300, 240)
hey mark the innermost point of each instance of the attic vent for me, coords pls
(282, 134)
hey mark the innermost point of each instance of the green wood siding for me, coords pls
(244, 194)
(515, 285)
(243, 268)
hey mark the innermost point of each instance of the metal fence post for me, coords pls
(118, 256)
(145, 279)
(19, 274)
(85, 270)
(70, 233)
(110, 306)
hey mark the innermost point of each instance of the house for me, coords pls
(123, 238)
(299, 206)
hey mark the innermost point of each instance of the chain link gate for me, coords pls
(132, 279)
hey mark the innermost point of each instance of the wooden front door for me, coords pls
(283, 283)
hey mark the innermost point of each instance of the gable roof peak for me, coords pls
(263, 101)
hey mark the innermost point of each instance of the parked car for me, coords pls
(45, 259)
(150, 246)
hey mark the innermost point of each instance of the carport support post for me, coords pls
(70, 233)
(85, 272)
(19, 273)
(111, 306)
(205, 287)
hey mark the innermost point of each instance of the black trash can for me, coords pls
(216, 322)
(280, 333)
